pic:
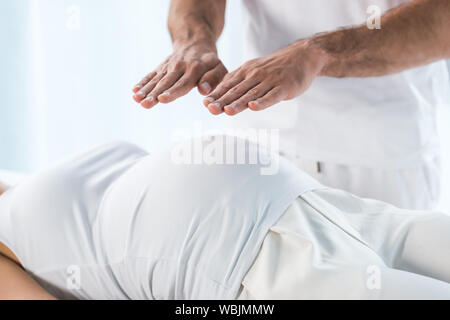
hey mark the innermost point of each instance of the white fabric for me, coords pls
(408, 188)
(332, 245)
(382, 122)
(144, 226)
(11, 178)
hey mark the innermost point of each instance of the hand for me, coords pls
(263, 82)
(189, 66)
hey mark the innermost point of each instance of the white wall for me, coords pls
(64, 88)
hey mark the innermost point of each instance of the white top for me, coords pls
(117, 223)
(384, 121)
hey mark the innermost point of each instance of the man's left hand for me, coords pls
(263, 82)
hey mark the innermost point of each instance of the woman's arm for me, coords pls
(3, 188)
(16, 284)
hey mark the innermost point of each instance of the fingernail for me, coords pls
(231, 106)
(215, 105)
(206, 87)
(256, 103)
(209, 99)
(140, 93)
(138, 86)
(147, 102)
(165, 94)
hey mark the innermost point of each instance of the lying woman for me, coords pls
(118, 223)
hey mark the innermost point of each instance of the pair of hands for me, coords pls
(257, 84)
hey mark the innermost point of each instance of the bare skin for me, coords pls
(15, 282)
(3, 188)
(5, 251)
(414, 34)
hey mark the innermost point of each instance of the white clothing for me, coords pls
(380, 122)
(127, 225)
(11, 178)
(409, 188)
(332, 245)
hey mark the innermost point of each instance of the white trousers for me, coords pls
(409, 188)
(332, 245)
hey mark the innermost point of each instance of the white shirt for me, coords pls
(117, 223)
(378, 122)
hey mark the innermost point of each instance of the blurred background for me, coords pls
(67, 68)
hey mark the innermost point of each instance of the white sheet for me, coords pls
(11, 178)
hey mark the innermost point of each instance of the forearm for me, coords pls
(16, 284)
(414, 34)
(192, 21)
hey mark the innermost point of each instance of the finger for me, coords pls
(211, 79)
(242, 103)
(141, 94)
(144, 81)
(269, 99)
(184, 84)
(231, 80)
(235, 93)
(214, 110)
(179, 89)
(165, 83)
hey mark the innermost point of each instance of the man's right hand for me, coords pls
(190, 65)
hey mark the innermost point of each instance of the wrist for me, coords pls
(204, 43)
(193, 36)
(320, 57)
